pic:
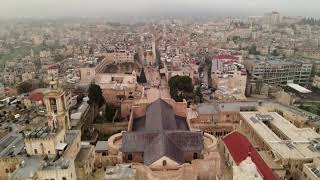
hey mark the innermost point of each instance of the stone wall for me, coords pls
(111, 128)
(73, 148)
(44, 146)
(104, 161)
(8, 165)
(69, 173)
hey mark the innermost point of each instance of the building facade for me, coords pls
(276, 72)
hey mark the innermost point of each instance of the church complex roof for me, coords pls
(161, 133)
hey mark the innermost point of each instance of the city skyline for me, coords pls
(125, 8)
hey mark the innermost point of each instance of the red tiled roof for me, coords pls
(10, 90)
(240, 148)
(38, 96)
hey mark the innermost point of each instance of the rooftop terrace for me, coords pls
(294, 143)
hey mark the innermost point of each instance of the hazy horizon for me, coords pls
(127, 8)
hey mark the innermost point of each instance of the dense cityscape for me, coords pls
(170, 98)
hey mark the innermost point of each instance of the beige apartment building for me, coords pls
(93, 67)
(295, 116)
(120, 56)
(119, 86)
(311, 171)
(276, 72)
(232, 81)
(282, 142)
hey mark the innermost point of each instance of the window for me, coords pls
(48, 152)
(64, 178)
(164, 162)
(195, 155)
(35, 151)
(104, 153)
(7, 170)
(130, 157)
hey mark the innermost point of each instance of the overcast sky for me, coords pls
(83, 8)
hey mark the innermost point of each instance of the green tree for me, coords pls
(275, 52)
(109, 112)
(253, 50)
(80, 98)
(58, 57)
(235, 39)
(24, 87)
(142, 78)
(95, 95)
(198, 97)
(181, 88)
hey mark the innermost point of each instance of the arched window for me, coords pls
(130, 157)
(164, 163)
(195, 155)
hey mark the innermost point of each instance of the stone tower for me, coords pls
(57, 107)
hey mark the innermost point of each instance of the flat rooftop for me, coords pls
(102, 146)
(207, 109)
(71, 135)
(41, 132)
(60, 163)
(299, 88)
(84, 153)
(31, 166)
(120, 171)
(11, 145)
(296, 143)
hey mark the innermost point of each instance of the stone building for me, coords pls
(295, 116)
(117, 87)
(244, 159)
(46, 153)
(53, 71)
(276, 72)
(56, 103)
(42, 141)
(159, 137)
(282, 142)
(49, 154)
(84, 162)
(311, 170)
(120, 56)
(228, 76)
(219, 118)
(91, 68)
